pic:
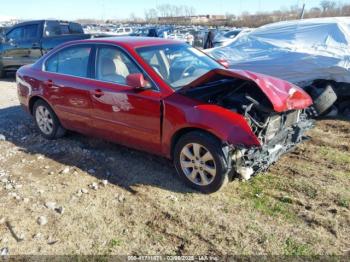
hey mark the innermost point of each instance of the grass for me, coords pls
(306, 189)
(114, 243)
(294, 248)
(340, 174)
(343, 202)
(335, 155)
(261, 193)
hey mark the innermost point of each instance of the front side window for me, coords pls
(15, 34)
(113, 65)
(177, 64)
(70, 61)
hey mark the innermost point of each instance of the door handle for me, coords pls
(35, 46)
(98, 93)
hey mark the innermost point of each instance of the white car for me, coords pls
(311, 53)
(185, 37)
(123, 31)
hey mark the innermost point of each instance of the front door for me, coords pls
(123, 114)
(22, 46)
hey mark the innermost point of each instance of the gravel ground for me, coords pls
(79, 195)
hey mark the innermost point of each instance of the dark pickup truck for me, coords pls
(26, 42)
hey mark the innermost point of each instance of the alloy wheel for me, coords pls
(198, 164)
(44, 120)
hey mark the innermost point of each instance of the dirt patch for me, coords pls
(55, 197)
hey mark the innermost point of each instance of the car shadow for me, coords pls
(121, 166)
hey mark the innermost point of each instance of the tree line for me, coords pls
(326, 8)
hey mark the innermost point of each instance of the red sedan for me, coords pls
(170, 99)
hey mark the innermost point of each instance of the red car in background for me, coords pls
(167, 98)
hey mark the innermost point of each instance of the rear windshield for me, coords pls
(56, 28)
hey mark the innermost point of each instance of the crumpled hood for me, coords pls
(283, 95)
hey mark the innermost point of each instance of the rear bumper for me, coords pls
(249, 161)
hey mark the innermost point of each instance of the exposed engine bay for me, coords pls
(277, 132)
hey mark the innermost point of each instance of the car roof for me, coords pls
(40, 21)
(131, 41)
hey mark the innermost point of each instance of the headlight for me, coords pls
(273, 127)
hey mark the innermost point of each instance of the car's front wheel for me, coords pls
(47, 121)
(200, 161)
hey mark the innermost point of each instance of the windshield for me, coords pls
(177, 64)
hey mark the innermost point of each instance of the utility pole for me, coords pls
(302, 11)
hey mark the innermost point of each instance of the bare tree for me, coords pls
(151, 15)
(132, 17)
(326, 8)
(230, 17)
(327, 5)
(345, 10)
(314, 12)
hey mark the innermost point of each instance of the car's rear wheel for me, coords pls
(47, 121)
(200, 161)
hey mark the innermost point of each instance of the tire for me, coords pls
(186, 163)
(323, 99)
(47, 121)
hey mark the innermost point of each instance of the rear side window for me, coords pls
(70, 61)
(52, 28)
(75, 28)
(56, 28)
(64, 29)
(31, 32)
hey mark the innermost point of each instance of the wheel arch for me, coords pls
(33, 100)
(183, 131)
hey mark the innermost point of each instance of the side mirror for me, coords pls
(223, 62)
(137, 81)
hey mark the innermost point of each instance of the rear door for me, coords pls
(68, 86)
(121, 113)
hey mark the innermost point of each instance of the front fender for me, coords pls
(226, 125)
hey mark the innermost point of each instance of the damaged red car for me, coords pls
(167, 98)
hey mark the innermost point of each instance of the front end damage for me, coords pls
(275, 110)
(283, 133)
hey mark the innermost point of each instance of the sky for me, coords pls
(114, 9)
